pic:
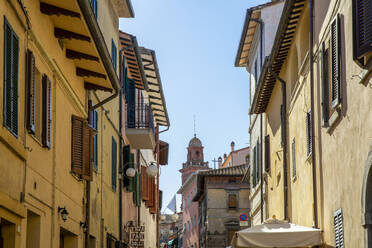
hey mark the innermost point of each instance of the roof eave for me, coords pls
(99, 41)
(243, 36)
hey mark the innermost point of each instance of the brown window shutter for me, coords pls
(47, 112)
(362, 28)
(267, 153)
(88, 133)
(335, 62)
(232, 201)
(77, 145)
(30, 91)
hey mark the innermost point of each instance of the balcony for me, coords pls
(139, 126)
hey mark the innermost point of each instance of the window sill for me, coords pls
(333, 119)
(13, 143)
(294, 179)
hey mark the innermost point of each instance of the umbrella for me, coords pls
(276, 233)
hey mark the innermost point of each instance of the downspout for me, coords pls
(120, 154)
(87, 189)
(260, 22)
(311, 58)
(284, 130)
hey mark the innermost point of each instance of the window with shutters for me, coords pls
(325, 84)
(82, 148)
(30, 91)
(144, 184)
(95, 139)
(232, 200)
(338, 223)
(335, 62)
(293, 158)
(309, 138)
(267, 153)
(11, 66)
(114, 54)
(254, 179)
(114, 164)
(46, 112)
(362, 26)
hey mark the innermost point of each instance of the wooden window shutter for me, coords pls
(47, 111)
(95, 140)
(144, 183)
(335, 62)
(82, 148)
(126, 165)
(114, 163)
(131, 187)
(254, 167)
(77, 145)
(362, 28)
(309, 138)
(11, 52)
(30, 91)
(160, 199)
(339, 228)
(282, 123)
(293, 158)
(137, 191)
(325, 86)
(267, 153)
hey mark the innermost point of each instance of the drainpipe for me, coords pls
(122, 77)
(284, 130)
(260, 22)
(87, 189)
(311, 58)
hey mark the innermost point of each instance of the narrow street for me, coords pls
(186, 124)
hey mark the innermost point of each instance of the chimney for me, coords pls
(232, 146)
(224, 156)
(219, 162)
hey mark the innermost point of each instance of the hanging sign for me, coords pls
(137, 236)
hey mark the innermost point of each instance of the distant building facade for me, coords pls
(235, 157)
(194, 163)
(223, 196)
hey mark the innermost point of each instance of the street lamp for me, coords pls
(63, 212)
(130, 172)
(152, 169)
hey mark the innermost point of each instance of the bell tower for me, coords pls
(195, 159)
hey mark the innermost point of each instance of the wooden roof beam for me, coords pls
(71, 54)
(60, 33)
(49, 9)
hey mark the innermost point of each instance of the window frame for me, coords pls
(13, 128)
(232, 193)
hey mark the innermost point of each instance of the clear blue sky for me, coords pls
(196, 43)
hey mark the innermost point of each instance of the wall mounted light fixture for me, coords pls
(63, 212)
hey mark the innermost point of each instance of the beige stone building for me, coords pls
(314, 89)
(223, 196)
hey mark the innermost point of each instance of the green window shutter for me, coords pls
(113, 53)
(11, 52)
(258, 162)
(114, 163)
(137, 193)
(125, 166)
(335, 62)
(267, 153)
(30, 91)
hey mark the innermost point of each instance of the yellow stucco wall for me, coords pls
(43, 175)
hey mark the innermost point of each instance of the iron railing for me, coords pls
(139, 116)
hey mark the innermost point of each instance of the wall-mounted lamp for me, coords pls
(84, 226)
(63, 212)
(152, 169)
(130, 172)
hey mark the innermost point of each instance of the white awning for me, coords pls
(275, 233)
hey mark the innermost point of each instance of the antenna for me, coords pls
(214, 163)
(194, 126)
